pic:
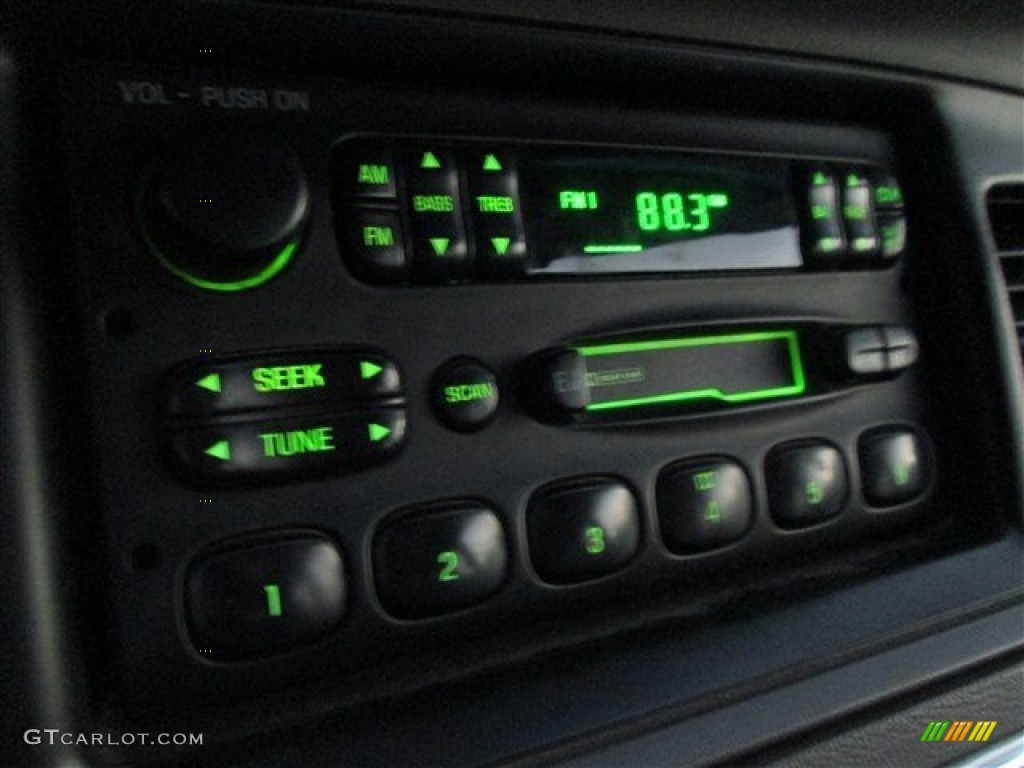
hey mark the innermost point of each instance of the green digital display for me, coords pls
(609, 212)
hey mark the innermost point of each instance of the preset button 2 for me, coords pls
(439, 560)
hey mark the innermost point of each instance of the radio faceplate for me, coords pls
(673, 507)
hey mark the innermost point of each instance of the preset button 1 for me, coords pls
(205, 388)
(263, 594)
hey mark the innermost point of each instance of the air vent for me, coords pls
(1006, 217)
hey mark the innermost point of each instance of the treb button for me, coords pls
(205, 388)
(294, 446)
(497, 219)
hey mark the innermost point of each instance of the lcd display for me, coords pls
(616, 212)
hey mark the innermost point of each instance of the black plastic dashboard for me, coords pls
(336, 484)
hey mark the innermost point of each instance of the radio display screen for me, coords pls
(592, 212)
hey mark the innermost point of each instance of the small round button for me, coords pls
(225, 211)
(465, 394)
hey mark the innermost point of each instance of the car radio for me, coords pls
(375, 370)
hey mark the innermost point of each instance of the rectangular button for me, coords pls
(365, 168)
(374, 245)
(264, 594)
(280, 449)
(859, 215)
(887, 192)
(824, 233)
(497, 219)
(892, 227)
(206, 388)
(433, 201)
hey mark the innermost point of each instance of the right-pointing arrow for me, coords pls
(368, 370)
(377, 432)
(220, 450)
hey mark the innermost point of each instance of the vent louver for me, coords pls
(1006, 218)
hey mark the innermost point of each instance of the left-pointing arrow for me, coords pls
(220, 450)
(210, 381)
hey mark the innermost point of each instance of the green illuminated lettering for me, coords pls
(819, 212)
(318, 440)
(814, 493)
(700, 210)
(672, 212)
(713, 513)
(901, 475)
(886, 195)
(289, 377)
(466, 393)
(449, 561)
(594, 541)
(433, 203)
(378, 237)
(855, 212)
(647, 211)
(495, 204)
(373, 174)
(577, 199)
(273, 593)
(669, 211)
(705, 481)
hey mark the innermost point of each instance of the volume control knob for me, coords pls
(225, 212)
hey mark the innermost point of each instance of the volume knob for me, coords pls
(226, 211)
